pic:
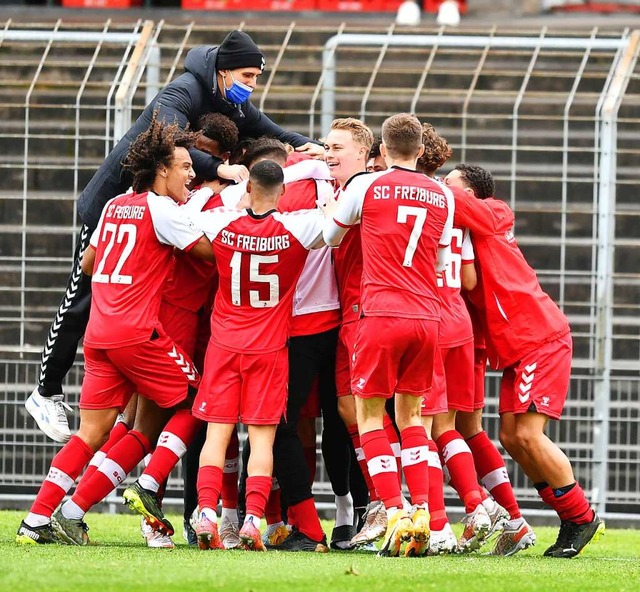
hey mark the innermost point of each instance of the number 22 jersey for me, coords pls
(134, 244)
(260, 258)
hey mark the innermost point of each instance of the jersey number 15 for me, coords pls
(271, 279)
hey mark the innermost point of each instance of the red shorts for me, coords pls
(203, 334)
(393, 355)
(251, 388)
(157, 369)
(434, 401)
(311, 408)
(540, 379)
(453, 377)
(479, 374)
(344, 357)
(181, 324)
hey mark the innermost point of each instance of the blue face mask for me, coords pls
(238, 93)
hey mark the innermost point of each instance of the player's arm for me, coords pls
(88, 259)
(342, 215)
(306, 169)
(197, 200)
(468, 275)
(477, 214)
(202, 250)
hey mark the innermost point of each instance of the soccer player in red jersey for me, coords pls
(260, 254)
(406, 220)
(126, 347)
(529, 339)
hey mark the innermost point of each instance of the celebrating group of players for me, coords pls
(360, 278)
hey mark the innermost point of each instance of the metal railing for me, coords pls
(554, 114)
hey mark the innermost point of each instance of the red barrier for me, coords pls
(434, 5)
(249, 4)
(101, 3)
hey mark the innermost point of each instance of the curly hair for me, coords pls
(477, 178)
(436, 151)
(220, 128)
(153, 149)
(375, 147)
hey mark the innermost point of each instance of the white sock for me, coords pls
(230, 514)
(515, 523)
(344, 510)
(209, 513)
(489, 505)
(271, 528)
(253, 518)
(35, 520)
(72, 510)
(148, 482)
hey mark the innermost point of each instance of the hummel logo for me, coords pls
(527, 382)
(361, 382)
(523, 398)
(385, 463)
(202, 406)
(545, 402)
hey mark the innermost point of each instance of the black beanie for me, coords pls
(239, 51)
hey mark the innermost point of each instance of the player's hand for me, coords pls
(234, 172)
(216, 185)
(314, 150)
(328, 204)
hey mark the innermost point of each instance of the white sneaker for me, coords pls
(443, 541)
(477, 526)
(50, 415)
(155, 539)
(229, 533)
(499, 517)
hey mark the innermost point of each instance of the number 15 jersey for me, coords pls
(405, 217)
(259, 258)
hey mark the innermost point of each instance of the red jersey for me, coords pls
(259, 260)
(517, 316)
(347, 260)
(405, 216)
(316, 305)
(191, 280)
(455, 324)
(134, 244)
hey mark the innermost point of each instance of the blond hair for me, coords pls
(359, 131)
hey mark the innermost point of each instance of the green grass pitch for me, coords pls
(116, 559)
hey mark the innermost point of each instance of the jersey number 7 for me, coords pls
(271, 279)
(420, 214)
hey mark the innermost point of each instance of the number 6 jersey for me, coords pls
(260, 258)
(134, 244)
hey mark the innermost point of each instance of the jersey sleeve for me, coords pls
(95, 236)
(305, 225)
(170, 223)
(306, 169)
(348, 212)
(211, 222)
(447, 231)
(232, 195)
(478, 215)
(468, 254)
(197, 200)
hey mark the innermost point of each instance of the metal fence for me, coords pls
(554, 114)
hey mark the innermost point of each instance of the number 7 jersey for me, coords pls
(405, 217)
(259, 258)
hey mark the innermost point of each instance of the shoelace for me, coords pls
(60, 407)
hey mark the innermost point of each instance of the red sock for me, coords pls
(258, 488)
(65, 468)
(229, 492)
(394, 441)
(437, 511)
(546, 493)
(573, 506)
(273, 509)
(116, 434)
(362, 461)
(382, 467)
(415, 463)
(305, 517)
(459, 461)
(482, 492)
(172, 444)
(113, 470)
(492, 472)
(209, 486)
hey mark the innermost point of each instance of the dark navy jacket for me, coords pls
(185, 100)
